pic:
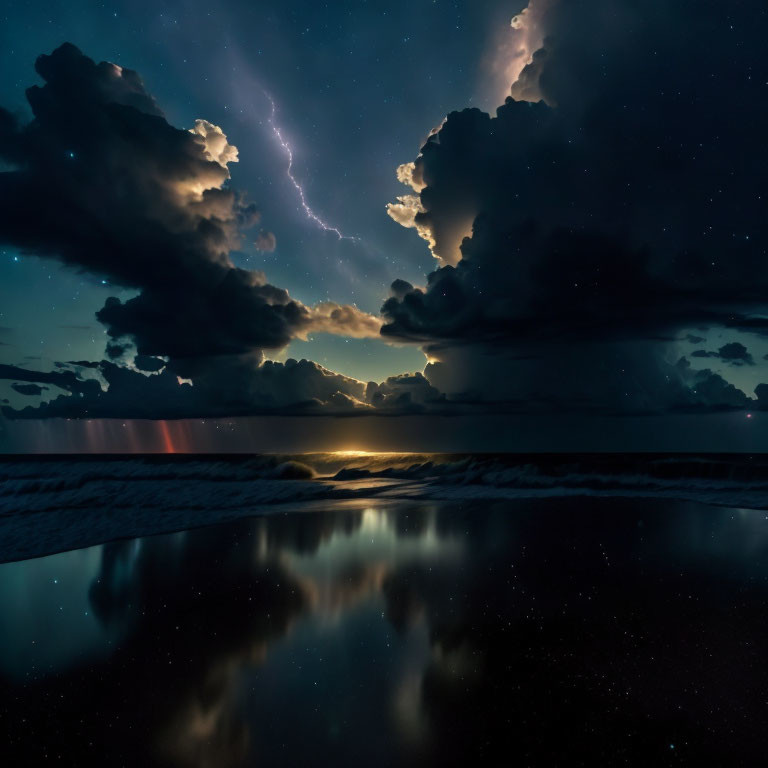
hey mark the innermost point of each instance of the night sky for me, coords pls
(581, 265)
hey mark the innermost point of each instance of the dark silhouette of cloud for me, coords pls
(100, 181)
(734, 353)
(148, 363)
(607, 219)
(28, 389)
(231, 387)
(408, 390)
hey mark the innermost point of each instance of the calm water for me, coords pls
(548, 632)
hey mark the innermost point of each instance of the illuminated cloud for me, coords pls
(342, 320)
(215, 144)
(405, 212)
(513, 49)
(527, 31)
(414, 211)
(441, 223)
(410, 175)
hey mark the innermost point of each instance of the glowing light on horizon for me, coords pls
(286, 147)
(371, 453)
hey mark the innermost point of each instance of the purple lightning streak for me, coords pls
(299, 189)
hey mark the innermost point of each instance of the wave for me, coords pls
(53, 502)
(36, 484)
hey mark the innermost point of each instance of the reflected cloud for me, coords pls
(412, 633)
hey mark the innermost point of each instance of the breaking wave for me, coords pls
(57, 502)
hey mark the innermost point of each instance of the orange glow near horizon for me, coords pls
(368, 453)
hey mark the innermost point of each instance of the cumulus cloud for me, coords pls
(407, 390)
(342, 320)
(514, 49)
(442, 221)
(100, 181)
(165, 229)
(608, 217)
(215, 144)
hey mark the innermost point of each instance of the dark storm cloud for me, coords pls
(626, 207)
(734, 353)
(101, 181)
(707, 390)
(28, 389)
(408, 390)
(148, 363)
(115, 350)
(231, 387)
(64, 379)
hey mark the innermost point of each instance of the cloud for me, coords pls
(148, 363)
(165, 229)
(407, 390)
(265, 241)
(215, 144)
(67, 380)
(343, 320)
(734, 353)
(234, 387)
(708, 390)
(101, 182)
(512, 48)
(28, 389)
(606, 218)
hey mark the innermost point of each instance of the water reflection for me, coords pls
(571, 631)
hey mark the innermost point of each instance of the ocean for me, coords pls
(384, 609)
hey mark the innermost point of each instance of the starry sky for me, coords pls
(438, 208)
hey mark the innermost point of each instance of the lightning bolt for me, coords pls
(286, 147)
